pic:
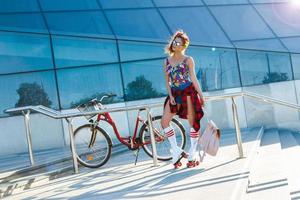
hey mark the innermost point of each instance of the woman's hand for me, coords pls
(201, 100)
(172, 100)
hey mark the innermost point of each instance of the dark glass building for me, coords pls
(67, 51)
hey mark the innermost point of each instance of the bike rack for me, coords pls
(69, 117)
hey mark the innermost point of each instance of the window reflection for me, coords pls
(79, 85)
(111, 4)
(195, 22)
(141, 23)
(89, 23)
(241, 28)
(263, 67)
(24, 52)
(18, 6)
(144, 79)
(160, 3)
(140, 50)
(74, 51)
(26, 89)
(51, 5)
(296, 65)
(23, 22)
(215, 68)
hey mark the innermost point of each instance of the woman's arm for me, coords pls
(194, 79)
(167, 79)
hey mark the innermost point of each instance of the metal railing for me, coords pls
(69, 117)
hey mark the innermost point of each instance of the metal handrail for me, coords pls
(58, 115)
(270, 100)
(69, 116)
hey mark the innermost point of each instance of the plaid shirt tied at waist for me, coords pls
(183, 110)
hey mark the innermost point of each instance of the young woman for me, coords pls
(185, 97)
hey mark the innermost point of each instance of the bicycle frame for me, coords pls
(131, 142)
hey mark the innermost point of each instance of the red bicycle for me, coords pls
(93, 143)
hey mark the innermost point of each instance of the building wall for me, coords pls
(49, 133)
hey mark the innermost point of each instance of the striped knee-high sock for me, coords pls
(194, 136)
(170, 133)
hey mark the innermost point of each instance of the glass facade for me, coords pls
(60, 53)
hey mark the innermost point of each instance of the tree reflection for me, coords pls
(32, 94)
(141, 88)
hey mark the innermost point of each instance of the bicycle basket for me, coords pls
(88, 107)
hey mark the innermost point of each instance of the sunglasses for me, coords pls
(174, 43)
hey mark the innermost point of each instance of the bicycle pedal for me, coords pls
(135, 152)
(90, 157)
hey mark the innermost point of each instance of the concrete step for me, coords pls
(20, 161)
(13, 182)
(290, 159)
(295, 195)
(266, 179)
(297, 136)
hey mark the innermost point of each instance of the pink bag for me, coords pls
(210, 140)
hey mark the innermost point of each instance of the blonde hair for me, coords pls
(180, 34)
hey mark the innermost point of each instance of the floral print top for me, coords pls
(179, 75)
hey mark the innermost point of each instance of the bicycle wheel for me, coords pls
(162, 144)
(93, 149)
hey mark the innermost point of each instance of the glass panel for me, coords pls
(79, 85)
(140, 50)
(263, 67)
(292, 44)
(253, 67)
(296, 65)
(28, 89)
(23, 22)
(268, 1)
(145, 23)
(18, 6)
(68, 4)
(195, 22)
(24, 52)
(280, 65)
(215, 68)
(125, 4)
(76, 51)
(178, 2)
(266, 44)
(144, 79)
(241, 28)
(79, 23)
(284, 19)
(220, 2)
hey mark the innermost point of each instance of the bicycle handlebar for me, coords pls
(95, 100)
(107, 96)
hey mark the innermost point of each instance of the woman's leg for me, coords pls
(167, 116)
(194, 135)
(170, 133)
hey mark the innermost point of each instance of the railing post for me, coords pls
(152, 137)
(237, 128)
(73, 149)
(28, 135)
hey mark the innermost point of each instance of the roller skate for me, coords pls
(178, 163)
(192, 163)
(176, 152)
